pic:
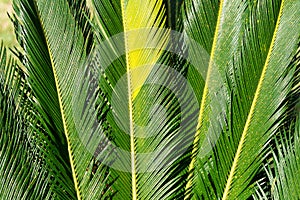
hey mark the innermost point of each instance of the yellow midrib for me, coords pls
(132, 144)
(253, 106)
(204, 100)
(76, 185)
(67, 135)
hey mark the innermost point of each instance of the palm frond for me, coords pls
(249, 60)
(268, 104)
(51, 75)
(139, 89)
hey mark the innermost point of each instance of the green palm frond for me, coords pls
(131, 118)
(51, 76)
(258, 75)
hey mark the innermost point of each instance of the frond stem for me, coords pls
(132, 142)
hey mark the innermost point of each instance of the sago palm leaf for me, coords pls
(54, 48)
(134, 81)
(246, 59)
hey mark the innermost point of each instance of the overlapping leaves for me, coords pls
(66, 122)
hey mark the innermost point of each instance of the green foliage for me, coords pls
(152, 99)
(283, 178)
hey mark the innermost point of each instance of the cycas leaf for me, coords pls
(38, 64)
(268, 104)
(244, 55)
(216, 28)
(54, 48)
(117, 18)
(143, 115)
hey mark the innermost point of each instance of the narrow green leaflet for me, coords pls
(283, 180)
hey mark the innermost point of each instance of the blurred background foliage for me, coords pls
(6, 27)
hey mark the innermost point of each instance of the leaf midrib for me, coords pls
(132, 143)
